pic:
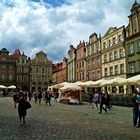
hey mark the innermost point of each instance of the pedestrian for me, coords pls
(48, 97)
(22, 107)
(39, 96)
(97, 99)
(102, 102)
(29, 95)
(136, 110)
(91, 97)
(15, 98)
(107, 101)
(35, 93)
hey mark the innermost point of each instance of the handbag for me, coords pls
(27, 105)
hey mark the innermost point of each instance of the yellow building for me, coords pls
(41, 72)
(113, 55)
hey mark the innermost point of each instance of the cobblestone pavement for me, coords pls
(66, 122)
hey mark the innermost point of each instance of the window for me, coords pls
(111, 71)
(22, 60)
(3, 77)
(114, 41)
(25, 78)
(130, 49)
(83, 64)
(119, 38)
(115, 55)
(110, 56)
(104, 45)
(132, 67)
(25, 69)
(105, 58)
(121, 68)
(19, 69)
(138, 46)
(10, 77)
(121, 53)
(106, 72)
(109, 42)
(98, 60)
(93, 75)
(99, 73)
(116, 69)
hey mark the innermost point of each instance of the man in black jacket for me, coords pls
(136, 111)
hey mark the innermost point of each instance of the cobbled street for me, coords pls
(66, 122)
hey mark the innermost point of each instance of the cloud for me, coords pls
(53, 25)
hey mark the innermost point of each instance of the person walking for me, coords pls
(22, 107)
(102, 102)
(48, 98)
(39, 97)
(91, 97)
(35, 93)
(107, 101)
(15, 98)
(97, 99)
(136, 110)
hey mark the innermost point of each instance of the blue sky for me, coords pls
(53, 25)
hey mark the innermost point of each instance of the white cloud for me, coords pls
(32, 27)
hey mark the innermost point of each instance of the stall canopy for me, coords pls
(70, 86)
(135, 80)
(114, 82)
(89, 83)
(12, 87)
(99, 82)
(60, 85)
(3, 87)
(79, 83)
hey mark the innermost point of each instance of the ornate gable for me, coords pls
(110, 30)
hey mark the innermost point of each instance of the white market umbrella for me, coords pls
(71, 86)
(79, 83)
(114, 82)
(12, 87)
(2, 86)
(89, 83)
(59, 85)
(134, 80)
(99, 82)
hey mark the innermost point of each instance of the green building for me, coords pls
(133, 42)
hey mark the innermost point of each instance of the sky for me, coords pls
(52, 26)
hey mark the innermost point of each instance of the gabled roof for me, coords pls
(41, 53)
(16, 54)
(111, 29)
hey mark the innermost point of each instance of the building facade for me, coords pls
(7, 68)
(60, 72)
(23, 72)
(93, 58)
(133, 41)
(113, 54)
(81, 62)
(41, 72)
(72, 64)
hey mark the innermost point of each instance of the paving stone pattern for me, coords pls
(66, 122)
